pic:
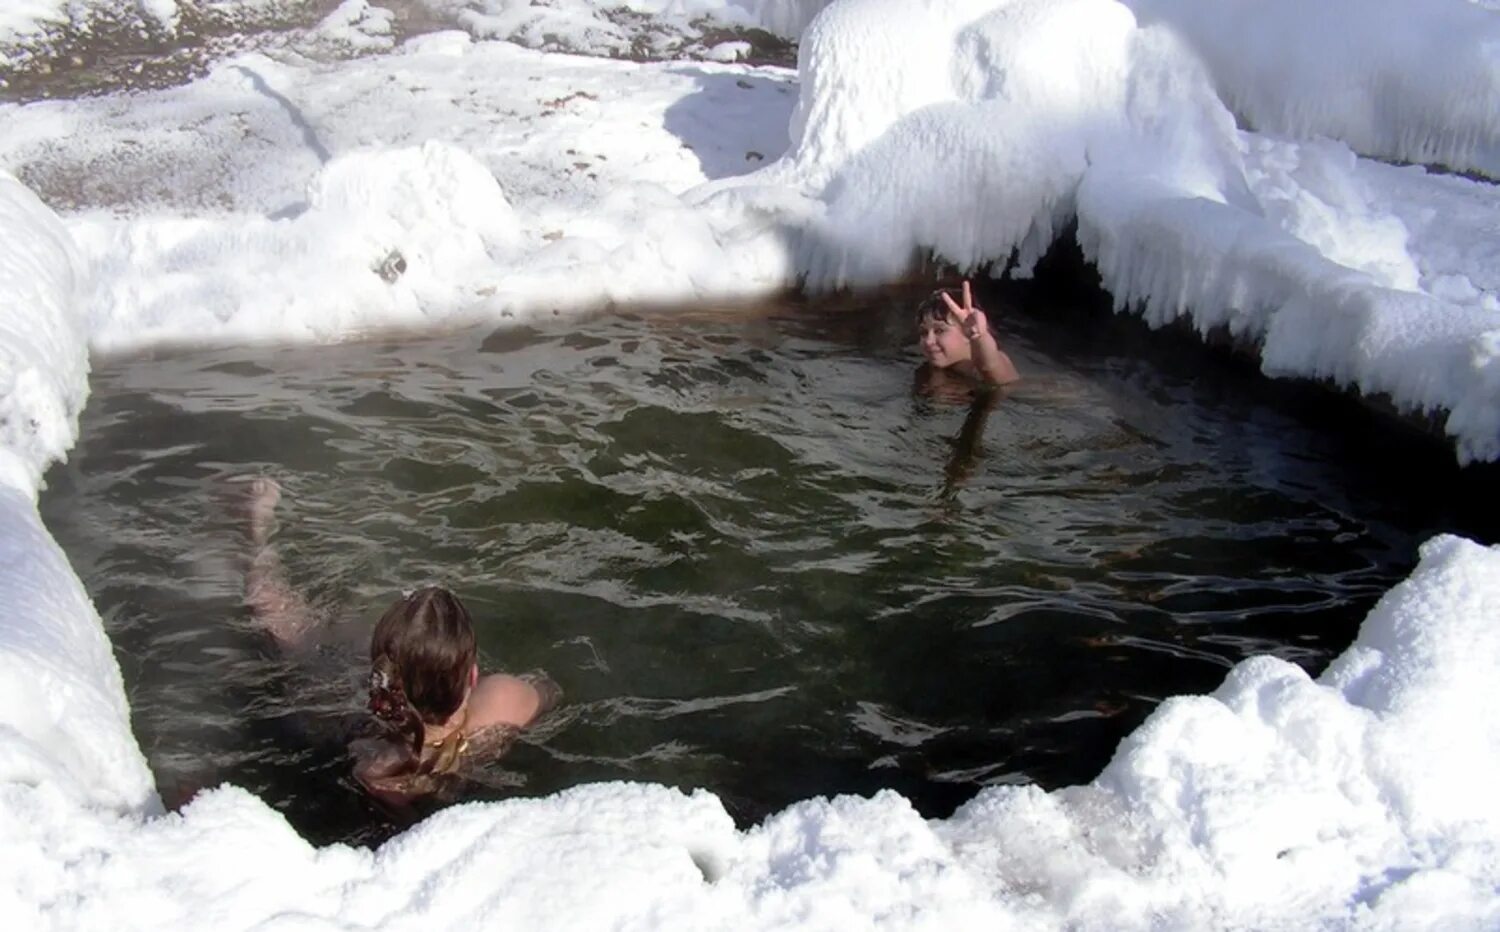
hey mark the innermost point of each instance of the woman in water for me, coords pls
(956, 338)
(437, 712)
(961, 356)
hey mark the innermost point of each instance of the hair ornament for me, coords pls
(387, 698)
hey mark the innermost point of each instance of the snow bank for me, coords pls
(63, 720)
(1414, 80)
(661, 28)
(43, 353)
(455, 178)
(505, 183)
(384, 236)
(786, 18)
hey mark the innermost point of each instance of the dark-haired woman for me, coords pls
(964, 365)
(438, 713)
(956, 336)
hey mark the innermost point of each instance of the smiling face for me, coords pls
(942, 339)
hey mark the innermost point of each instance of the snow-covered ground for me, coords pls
(346, 181)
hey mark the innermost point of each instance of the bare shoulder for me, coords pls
(503, 699)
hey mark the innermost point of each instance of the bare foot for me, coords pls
(260, 505)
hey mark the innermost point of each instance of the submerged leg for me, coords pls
(262, 496)
(277, 607)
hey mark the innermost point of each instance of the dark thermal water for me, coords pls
(756, 557)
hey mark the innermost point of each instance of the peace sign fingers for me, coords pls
(973, 324)
(959, 313)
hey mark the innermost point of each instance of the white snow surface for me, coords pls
(584, 25)
(66, 725)
(625, 28)
(1411, 80)
(302, 199)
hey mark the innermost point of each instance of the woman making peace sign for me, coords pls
(957, 337)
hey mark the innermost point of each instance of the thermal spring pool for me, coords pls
(758, 557)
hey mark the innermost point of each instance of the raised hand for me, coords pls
(991, 361)
(974, 324)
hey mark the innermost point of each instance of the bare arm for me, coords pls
(991, 361)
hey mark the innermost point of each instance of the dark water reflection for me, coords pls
(755, 559)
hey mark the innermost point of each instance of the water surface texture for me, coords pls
(757, 557)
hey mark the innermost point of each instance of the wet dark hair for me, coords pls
(420, 656)
(933, 308)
